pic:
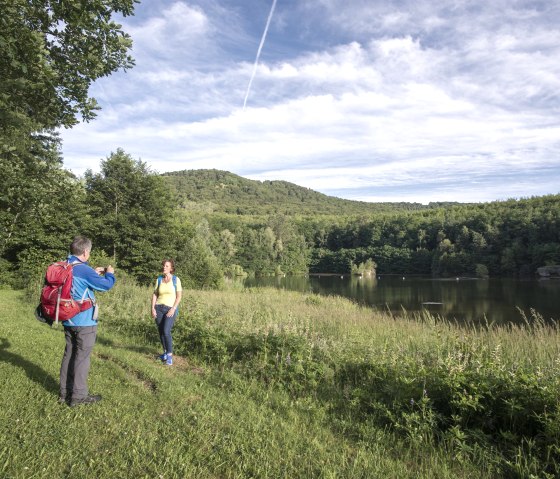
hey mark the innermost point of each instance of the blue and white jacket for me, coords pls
(85, 282)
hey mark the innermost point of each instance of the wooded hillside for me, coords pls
(225, 192)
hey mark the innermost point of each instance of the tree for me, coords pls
(225, 248)
(41, 205)
(197, 265)
(366, 267)
(133, 213)
(51, 52)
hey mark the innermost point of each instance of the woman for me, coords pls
(165, 304)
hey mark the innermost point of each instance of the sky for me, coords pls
(394, 100)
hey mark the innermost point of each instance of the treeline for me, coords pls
(509, 238)
(135, 219)
(291, 230)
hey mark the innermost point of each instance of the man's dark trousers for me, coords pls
(76, 360)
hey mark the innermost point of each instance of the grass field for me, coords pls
(272, 384)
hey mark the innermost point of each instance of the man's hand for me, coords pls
(101, 270)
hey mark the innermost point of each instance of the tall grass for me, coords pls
(489, 393)
(270, 383)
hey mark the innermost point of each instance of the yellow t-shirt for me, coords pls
(166, 292)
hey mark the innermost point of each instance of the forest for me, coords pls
(136, 217)
(502, 238)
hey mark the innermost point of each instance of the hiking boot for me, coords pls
(169, 360)
(89, 399)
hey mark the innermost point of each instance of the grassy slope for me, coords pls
(185, 421)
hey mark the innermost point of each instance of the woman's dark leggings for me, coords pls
(164, 325)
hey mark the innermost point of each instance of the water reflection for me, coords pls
(494, 300)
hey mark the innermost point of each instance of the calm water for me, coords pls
(464, 300)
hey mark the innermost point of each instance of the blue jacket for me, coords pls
(85, 282)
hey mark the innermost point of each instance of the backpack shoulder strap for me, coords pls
(86, 294)
(174, 279)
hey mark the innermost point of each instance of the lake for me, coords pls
(462, 299)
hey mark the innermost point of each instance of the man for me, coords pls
(81, 330)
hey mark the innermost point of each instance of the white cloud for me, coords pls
(431, 97)
(178, 27)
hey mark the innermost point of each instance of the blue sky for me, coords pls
(399, 100)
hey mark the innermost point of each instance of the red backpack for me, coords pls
(56, 296)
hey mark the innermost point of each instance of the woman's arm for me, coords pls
(178, 296)
(154, 299)
(171, 312)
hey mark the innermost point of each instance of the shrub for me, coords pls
(481, 271)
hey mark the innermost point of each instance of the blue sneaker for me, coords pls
(169, 360)
(163, 357)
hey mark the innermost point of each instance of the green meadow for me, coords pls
(277, 384)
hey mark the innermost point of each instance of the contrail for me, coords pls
(259, 53)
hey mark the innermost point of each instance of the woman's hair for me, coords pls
(79, 245)
(170, 261)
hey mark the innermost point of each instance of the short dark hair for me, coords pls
(169, 261)
(79, 245)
